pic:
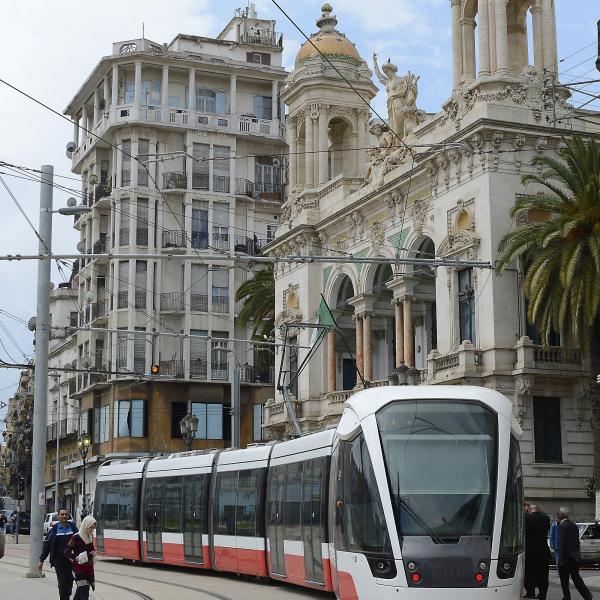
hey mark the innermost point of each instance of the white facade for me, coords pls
(180, 147)
(445, 325)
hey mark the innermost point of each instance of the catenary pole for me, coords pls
(40, 400)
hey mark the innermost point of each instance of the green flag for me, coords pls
(324, 315)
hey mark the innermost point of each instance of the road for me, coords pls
(120, 581)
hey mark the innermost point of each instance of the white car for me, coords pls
(51, 519)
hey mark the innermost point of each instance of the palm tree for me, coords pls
(560, 243)
(258, 296)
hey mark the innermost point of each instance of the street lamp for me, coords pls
(189, 427)
(83, 446)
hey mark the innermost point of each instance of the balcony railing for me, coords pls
(102, 190)
(172, 368)
(262, 38)
(255, 125)
(244, 244)
(65, 427)
(174, 180)
(173, 238)
(200, 181)
(219, 371)
(199, 302)
(244, 187)
(556, 355)
(254, 374)
(100, 246)
(172, 301)
(221, 183)
(220, 304)
(267, 190)
(198, 368)
(260, 243)
(99, 309)
(220, 242)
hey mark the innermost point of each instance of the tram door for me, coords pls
(193, 517)
(153, 517)
(311, 519)
(275, 519)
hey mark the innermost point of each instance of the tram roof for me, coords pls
(369, 401)
(313, 441)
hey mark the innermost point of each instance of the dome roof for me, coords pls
(328, 41)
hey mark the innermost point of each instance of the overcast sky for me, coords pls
(48, 48)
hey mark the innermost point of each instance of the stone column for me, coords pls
(137, 99)
(501, 38)
(457, 45)
(293, 144)
(547, 54)
(191, 101)
(275, 100)
(323, 146)
(76, 131)
(399, 331)
(409, 339)
(164, 93)
(483, 25)
(331, 367)
(367, 350)
(468, 35)
(232, 94)
(115, 86)
(84, 120)
(362, 142)
(359, 344)
(538, 44)
(492, 34)
(106, 91)
(553, 67)
(96, 107)
(309, 157)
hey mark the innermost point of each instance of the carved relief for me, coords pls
(377, 236)
(496, 140)
(523, 391)
(518, 144)
(419, 213)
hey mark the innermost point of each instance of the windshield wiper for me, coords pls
(419, 521)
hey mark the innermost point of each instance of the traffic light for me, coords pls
(21, 489)
(155, 369)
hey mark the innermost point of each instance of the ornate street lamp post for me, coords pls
(83, 446)
(189, 427)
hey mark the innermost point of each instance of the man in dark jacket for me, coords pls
(55, 544)
(537, 553)
(569, 556)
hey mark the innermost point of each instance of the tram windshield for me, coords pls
(441, 465)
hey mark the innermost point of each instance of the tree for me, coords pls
(559, 241)
(258, 296)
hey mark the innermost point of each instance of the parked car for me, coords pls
(589, 540)
(51, 519)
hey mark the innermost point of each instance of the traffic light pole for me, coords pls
(40, 399)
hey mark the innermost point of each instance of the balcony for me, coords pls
(198, 368)
(220, 304)
(254, 374)
(267, 191)
(173, 369)
(244, 187)
(262, 38)
(65, 426)
(256, 126)
(200, 181)
(102, 190)
(199, 302)
(100, 246)
(99, 309)
(245, 245)
(173, 238)
(175, 180)
(72, 386)
(172, 302)
(556, 359)
(220, 242)
(219, 371)
(221, 184)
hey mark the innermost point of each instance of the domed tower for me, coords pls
(328, 122)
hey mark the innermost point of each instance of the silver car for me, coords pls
(589, 540)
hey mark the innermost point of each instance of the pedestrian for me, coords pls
(537, 553)
(569, 556)
(553, 540)
(54, 547)
(2, 533)
(80, 552)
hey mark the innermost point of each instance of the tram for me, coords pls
(417, 491)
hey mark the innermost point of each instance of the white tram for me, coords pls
(417, 491)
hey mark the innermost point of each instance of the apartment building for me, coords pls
(180, 148)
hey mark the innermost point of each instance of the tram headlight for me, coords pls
(382, 567)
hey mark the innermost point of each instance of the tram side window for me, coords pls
(127, 501)
(312, 494)
(111, 506)
(225, 500)
(247, 496)
(292, 501)
(512, 537)
(172, 504)
(363, 525)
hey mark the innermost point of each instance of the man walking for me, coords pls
(569, 556)
(537, 553)
(54, 546)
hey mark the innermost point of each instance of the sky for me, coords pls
(49, 48)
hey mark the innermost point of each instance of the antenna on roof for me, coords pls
(143, 32)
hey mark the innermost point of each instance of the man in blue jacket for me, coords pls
(54, 546)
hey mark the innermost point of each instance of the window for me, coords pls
(466, 305)
(267, 175)
(225, 503)
(198, 344)
(200, 221)
(221, 160)
(263, 107)
(220, 228)
(124, 217)
(123, 284)
(143, 156)
(200, 171)
(292, 501)
(130, 418)
(199, 289)
(257, 421)
(126, 165)
(173, 101)
(101, 424)
(150, 91)
(128, 92)
(271, 231)
(259, 58)
(172, 504)
(247, 500)
(141, 268)
(219, 355)
(127, 505)
(546, 430)
(210, 419)
(121, 351)
(360, 522)
(220, 290)
(210, 101)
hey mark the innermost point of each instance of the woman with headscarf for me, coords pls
(80, 552)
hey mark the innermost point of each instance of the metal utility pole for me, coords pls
(234, 379)
(598, 59)
(56, 506)
(42, 329)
